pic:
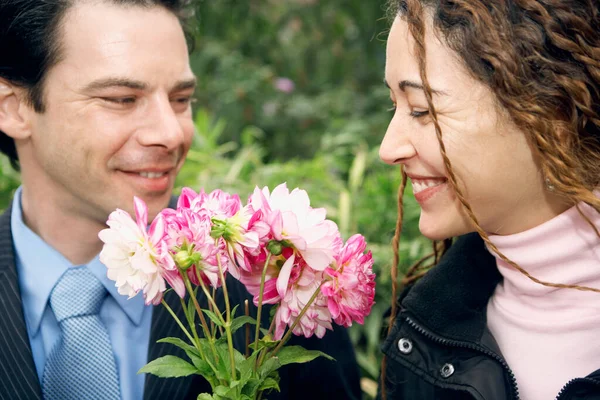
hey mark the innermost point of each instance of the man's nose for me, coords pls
(163, 125)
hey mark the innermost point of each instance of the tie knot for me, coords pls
(78, 292)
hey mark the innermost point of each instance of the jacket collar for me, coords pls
(20, 380)
(451, 299)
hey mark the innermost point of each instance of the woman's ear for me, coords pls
(13, 111)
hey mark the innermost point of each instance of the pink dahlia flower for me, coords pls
(187, 236)
(291, 219)
(251, 279)
(296, 285)
(217, 203)
(350, 291)
(137, 260)
(239, 228)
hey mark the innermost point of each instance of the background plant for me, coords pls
(291, 90)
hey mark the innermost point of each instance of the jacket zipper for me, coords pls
(572, 381)
(454, 343)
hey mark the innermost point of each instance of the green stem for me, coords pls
(260, 303)
(272, 327)
(164, 303)
(188, 285)
(212, 301)
(247, 313)
(297, 321)
(193, 326)
(191, 323)
(188, 334)
(213, 326)
(228, 316)
(210, 339)
(264, 351)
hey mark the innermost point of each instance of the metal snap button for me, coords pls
(405, 346)
(447, 370)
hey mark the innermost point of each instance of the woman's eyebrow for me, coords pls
(403, 85)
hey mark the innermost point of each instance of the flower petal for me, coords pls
(284, 275)
(141, 213)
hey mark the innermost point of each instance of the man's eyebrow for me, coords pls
(134, 84)
(115, 82)
(414, 85)
(184, 85)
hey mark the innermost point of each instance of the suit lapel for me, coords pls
(18, 376)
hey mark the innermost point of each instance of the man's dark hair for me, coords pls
(30, 46)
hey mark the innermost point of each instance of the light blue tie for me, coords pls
(81, 365)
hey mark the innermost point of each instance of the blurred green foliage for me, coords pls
(291, 91)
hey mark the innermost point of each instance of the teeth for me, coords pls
(151, 175)
(422, 184)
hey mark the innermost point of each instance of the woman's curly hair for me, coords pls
(541, 60)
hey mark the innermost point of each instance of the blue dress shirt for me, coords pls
(128, 321)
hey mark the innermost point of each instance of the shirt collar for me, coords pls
(40, 267)
(451, 299)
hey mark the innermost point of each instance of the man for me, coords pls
(94, 109)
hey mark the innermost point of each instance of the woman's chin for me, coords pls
(436, 229)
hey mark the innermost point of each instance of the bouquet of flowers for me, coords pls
(283, 251)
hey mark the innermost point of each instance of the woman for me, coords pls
(497, 126)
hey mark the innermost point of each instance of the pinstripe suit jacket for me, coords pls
(320, 379)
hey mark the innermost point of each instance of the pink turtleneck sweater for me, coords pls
(547, 335)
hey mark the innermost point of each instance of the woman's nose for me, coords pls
(396, 146)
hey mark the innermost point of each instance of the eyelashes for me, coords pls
(414, 114)
(418, 114)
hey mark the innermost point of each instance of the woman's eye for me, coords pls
(419, 114)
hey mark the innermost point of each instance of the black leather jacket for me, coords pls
(440, 347)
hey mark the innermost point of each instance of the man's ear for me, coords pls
(14, 111)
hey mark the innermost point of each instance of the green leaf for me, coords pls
(204, 396)
(203, 367)
(298, 354)
(241, 321)
(213, 317)
(272, 312)
(272, 364)
(223, 366)
(205, 345)
(251, 387)
(238, 357)
(265, 342)
(234, 310)
(270, 383)
(179, 343)
(246, 367)
(222, 391)
(168, 367)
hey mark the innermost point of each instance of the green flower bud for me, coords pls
(275, 247)
(185, 260)
(218, 229)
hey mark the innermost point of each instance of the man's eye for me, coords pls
(183, 100)
(418, 114)
(120, 100)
